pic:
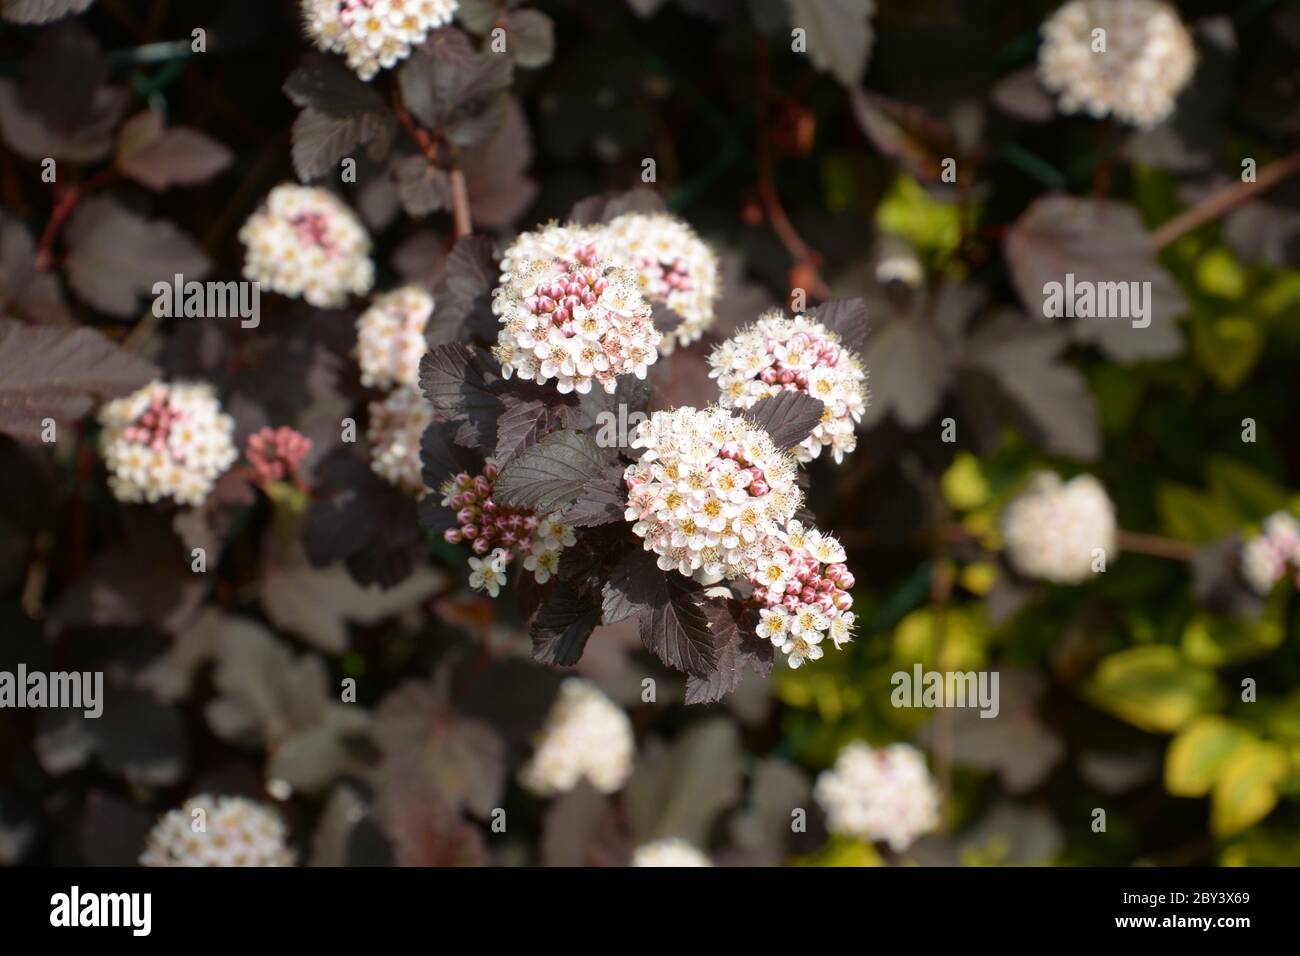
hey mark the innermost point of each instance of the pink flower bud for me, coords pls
(452, 536)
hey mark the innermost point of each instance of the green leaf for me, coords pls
(963, 485)
(1153, 687)
(1193, 515)
(1220, 274)
(1227, 348)
(951, 639)
(1199, 753)
(1250, 493)
(1247, 788)
(908, 211)
(1215, 641)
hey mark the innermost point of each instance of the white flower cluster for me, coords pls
(568, 313)
(676, 268)
(884, 794)
(1264, 558)
(1148, 58)
(795, 354)
(397, 423)
(390, 337)
(670, 851)
(373, 34)
(225, 831)
(304, 241)
(166, 441)
(1052, 528)
(708, 490)
(803, 585)
(586, 735)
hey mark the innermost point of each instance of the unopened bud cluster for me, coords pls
(397, 423)
(498, 534)
(277, 454)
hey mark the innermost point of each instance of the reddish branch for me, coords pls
(64, 208)
(1156, 546)
(1219, 202)
(460, 211)
(807, 259)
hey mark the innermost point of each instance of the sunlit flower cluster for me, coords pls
(1148, 58)
(586, 735)
(498, 534)
(670, 851)
(569, 315)
(277, 454)
(675, 266)
(1053, 529)
(390, 337)
(166, 441)
(795, 354)
(886, 794)
(373, 34)
(397, 422)
(708, 489)
(225, 831)
(1265, 558)
(306, 242)
(802, 586)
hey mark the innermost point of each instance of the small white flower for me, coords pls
(670, 851)
(774, 624)
(373, 34)
(489, 574)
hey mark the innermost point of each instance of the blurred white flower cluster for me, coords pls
(390, 337)
(397, 423)
(1052, 528)
(304, 241)
(884, 794)
(670, 851)
(570, 315)
(1265, 557)
(675, 266)
(373, 34)
(1148, 58)
(390, 344)
(234, 832)
(166, 441)
(498, 534)
(586, 735)
(795, 354)
(708, 488)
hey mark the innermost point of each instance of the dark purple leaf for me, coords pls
(789, 417)
(549, 475)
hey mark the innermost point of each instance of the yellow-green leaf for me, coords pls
(1200, 752)
(1215, 641)
(954, 642)
(963, 484)
(1246, 790)
(1154, 688)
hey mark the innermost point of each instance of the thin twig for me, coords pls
(63, 209)
(807, 259)
(460, 203)
(1220, 201)
(1155, 546)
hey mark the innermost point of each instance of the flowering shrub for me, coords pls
(649, 433)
